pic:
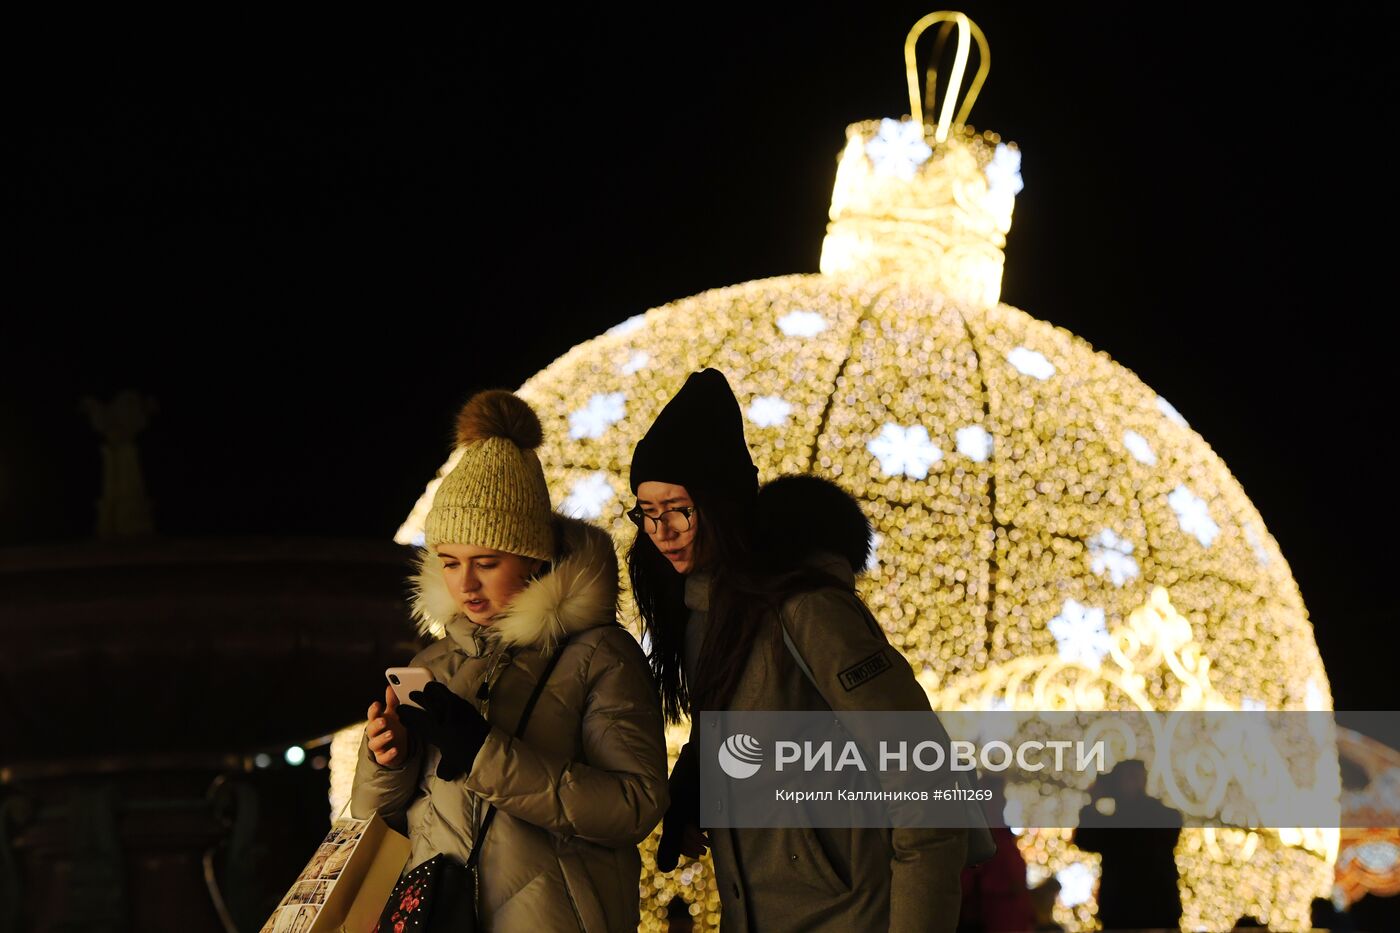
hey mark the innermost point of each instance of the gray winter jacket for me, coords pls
(773, 880)
(585, 784)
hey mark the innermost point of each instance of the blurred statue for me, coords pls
(123, 510)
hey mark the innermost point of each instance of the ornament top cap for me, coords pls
(922, 107)
(923, 198)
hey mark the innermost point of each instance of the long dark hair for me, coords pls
(746, 583)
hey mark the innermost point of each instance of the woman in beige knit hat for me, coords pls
(528, 600)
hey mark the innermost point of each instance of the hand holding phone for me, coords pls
(406, 680)
(385, 733)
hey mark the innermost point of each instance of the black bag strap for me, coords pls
(519, 731)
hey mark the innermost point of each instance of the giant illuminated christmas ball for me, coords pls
(1051, 532)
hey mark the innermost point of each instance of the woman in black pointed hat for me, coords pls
(721, 570)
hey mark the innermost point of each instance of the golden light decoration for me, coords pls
(1153, 663)
(1030, 495)
(1205, 766)
(1368, 861)
(345, 750)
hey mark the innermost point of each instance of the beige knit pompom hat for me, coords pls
(496, 495)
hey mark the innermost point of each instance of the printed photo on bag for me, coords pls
(317, 865)
(291, 919)
(309, 892)
(350, 832)
(336, 863)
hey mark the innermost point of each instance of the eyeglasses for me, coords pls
(678, 520)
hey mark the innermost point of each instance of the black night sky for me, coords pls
(310, 241)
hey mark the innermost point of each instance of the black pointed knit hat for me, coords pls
(698, 441)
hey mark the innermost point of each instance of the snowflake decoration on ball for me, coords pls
(1112, 555)
(802, 324)
(635, 363)
(907, 451)
(602, 412)
(633, 324)
(769, 411)
(898, 149)
(1004, 171)
(1076, 884)
(587, 497)
(1138, 446)
(1031, 363)
(1081, 634)
(975, 443)
(1174, 416)
(1193, 515)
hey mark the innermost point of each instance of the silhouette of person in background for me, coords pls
(1326, 916)
(678, 918)
(1043, 898)
(1138, 881)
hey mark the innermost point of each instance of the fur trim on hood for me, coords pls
(801, 516)
(579, 592)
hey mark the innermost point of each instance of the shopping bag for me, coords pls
(344, 886)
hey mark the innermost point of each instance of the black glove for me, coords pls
(684, 809)
(449, 722)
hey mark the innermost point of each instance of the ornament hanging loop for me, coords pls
(967, 33)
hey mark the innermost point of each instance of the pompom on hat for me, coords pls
(496, 495)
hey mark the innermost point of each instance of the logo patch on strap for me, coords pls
(857, 674)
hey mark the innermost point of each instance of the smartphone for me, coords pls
(406, 680)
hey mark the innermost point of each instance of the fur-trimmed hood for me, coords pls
(578, 593)
(802, 518)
